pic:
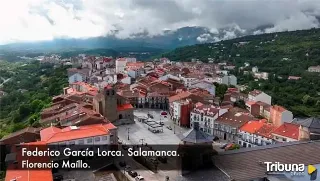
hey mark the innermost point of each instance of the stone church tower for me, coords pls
(105, 102)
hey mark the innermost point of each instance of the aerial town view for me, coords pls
(159, 90)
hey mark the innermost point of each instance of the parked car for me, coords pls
(122, 164)
(57, 177)
(161, 123)
(163, 113)
(133, 174)
(216, 138)
(150, 116)
(232, 146)
(224, 146)
(139, 178)
(169, 127)
(127, 168)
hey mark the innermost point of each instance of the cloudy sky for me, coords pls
(30, 20)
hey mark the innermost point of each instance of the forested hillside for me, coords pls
(30, 88)
(281, 55)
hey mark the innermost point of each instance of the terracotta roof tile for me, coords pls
(179, 96)
(255, 92)
(124, 107)
(252, 126)
(68, 133)
(288, 130)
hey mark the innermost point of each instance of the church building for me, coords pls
(113, 106)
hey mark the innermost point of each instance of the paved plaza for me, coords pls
(139, 132)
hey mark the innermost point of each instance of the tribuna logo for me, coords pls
(284, 167)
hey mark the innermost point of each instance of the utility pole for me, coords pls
(128, 129)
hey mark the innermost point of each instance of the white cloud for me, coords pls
(29, 20)
(295, 22)
(204, 38)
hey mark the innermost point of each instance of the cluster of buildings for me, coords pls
(255, 72)
(259, 123)
(103, 92)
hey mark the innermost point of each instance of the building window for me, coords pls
(97, 139)
(81, 142)
(105, 138)
(284, 139)
(89, 140)
(72, 143)
(112, 92)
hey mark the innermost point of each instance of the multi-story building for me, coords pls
(280, 115)
(309, 128)
(78, 75)
(226, 126)
(257, 95)
(206, 116)
(287, 132)
(96, 134)
(261, 75)
(210, 87)
(264, 109)
(226, 79)
(135, 72)
(188, 79)
(155, 100)
(181, 112)
(253, 108)
(121, 65)
(256, 133)
(314, 68)
(135, 98)
(25, 135)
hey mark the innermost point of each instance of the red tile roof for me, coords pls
(288, 130)
(124, 107)
(135, 64)
(255, 92)
(47, 133)
(250, 103)
(266, 130)
(179, 96)
(232, 90)
(109, 86)
(252, 126)
(209, 110)
(15, 171)
(69, 133)
(198, 104)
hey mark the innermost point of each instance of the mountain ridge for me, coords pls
(169, 39)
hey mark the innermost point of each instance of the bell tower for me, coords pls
(110, 103)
